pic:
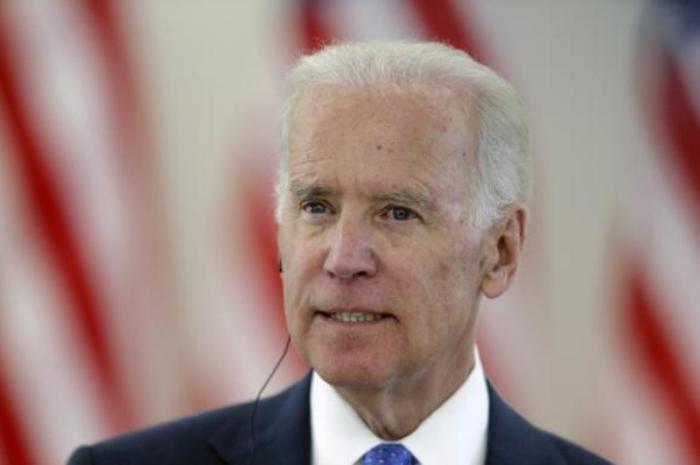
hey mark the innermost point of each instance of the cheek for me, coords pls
(302, 266)
(430, 286)
(449, 284)
(453, 285)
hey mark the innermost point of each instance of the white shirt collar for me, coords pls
(455, 433)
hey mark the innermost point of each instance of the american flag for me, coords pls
(81, 260)
(129, 294)
(658, 237)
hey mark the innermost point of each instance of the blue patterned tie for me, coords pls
(388, 454)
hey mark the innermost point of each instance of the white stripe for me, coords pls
(371, 20)
(50, 386)
(508, 327)
(65, 82)
(65, 87)
(662, 230)
(643, 429)
(233, 345)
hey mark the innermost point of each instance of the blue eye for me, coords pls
(315, 208)
(400, 214)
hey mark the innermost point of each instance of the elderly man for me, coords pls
(402, 199)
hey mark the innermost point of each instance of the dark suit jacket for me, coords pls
(283, 436)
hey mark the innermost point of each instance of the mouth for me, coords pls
(354, 317)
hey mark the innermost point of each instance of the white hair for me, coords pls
(502, 175)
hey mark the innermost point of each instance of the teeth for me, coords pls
(355, 317)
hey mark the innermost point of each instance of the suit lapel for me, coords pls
(282, 431)
(512, 440)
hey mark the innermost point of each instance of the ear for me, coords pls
(502, 251)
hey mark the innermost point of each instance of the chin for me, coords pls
(346, 374)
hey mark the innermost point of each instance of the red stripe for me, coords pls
(443, 22)
(650, 337)
(314, 33)
(13, 441)
(134, 150)
(50, 213)
(681, 123)
(256, 196)
(136, 153)
(121, 82)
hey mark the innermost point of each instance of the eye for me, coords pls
(315, 207)
(399, 214)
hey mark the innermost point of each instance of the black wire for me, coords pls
(257, 400)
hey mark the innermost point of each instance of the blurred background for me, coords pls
(138, 274)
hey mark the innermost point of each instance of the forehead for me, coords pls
(419, 110)
(381, 134)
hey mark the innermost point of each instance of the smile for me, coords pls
(355, 317)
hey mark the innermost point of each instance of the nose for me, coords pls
(350, 253)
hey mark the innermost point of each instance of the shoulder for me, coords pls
(201, 438)
(166, 443)
(512, 439)
(573, 454)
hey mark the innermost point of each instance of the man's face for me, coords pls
(381, 264)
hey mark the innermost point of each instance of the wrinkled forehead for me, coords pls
(420, 140)
(436, 100)
(421, 112)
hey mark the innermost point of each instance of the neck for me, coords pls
(395, 411)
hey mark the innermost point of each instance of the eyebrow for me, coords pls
(304, 191)
(407, 197)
